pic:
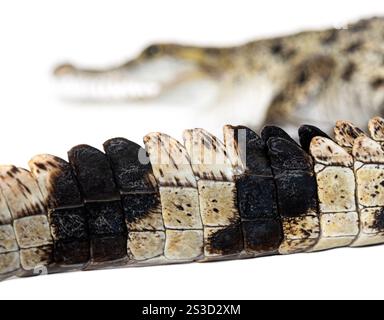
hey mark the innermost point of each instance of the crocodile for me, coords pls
(199, 200)
(314, 77)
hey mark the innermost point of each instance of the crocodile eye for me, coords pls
(152, 50)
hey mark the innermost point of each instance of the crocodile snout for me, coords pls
(64, 69)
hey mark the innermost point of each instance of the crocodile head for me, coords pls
(154, 71)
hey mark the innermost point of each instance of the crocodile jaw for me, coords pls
(136, 80)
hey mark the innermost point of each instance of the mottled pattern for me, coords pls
(32, 231)
(307, 133)
(217, 193)
(94, 173)
(208, 156)
(9, 248)
(56, 181)
(140, 199)
(106, 226)
(170, 161)
(131, 166)
(243, 198)
(336, 191)
(185, 245)
(9, 264)
(21, 192)
(30, 223)
(142, 211)
(296, 193)
(312, 76)
(184, 237)
(367, 155)
(67, 216)
(369, 172)
(376, 129)
(146, 245)
(256, 191)
(346, 133)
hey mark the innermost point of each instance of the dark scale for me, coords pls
(132, 171)
(105, 218)
(130, 165)
(275, 132)
(71, 252)
(94, 173)
(287, 156)
(107, 229)
(256, 194)
(137, 206)
(296, 189)
(307, 133)
(69, 228)
(139, 195)
(297, 193)
(294, 177)
(262, 236)
(227, 241)
(69, 223)
(66, 191)
(66, 212)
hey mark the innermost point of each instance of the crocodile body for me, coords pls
(315, 77)
(201, 200)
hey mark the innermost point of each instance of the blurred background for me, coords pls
(36, 36)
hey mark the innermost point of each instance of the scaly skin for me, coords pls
(316, 76)
(200, 200)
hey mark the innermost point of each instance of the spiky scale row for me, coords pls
(336, 190)
(66, 212)
(30, 223)
(204, 200)
(179, 198)
(217, 194)
(369, 173)
(140, 199)
(256, 192)
(9, 249)
(296, 192)
(106, 226)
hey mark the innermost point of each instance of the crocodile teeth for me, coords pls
(104, 89)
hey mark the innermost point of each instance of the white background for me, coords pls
(35, 35)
